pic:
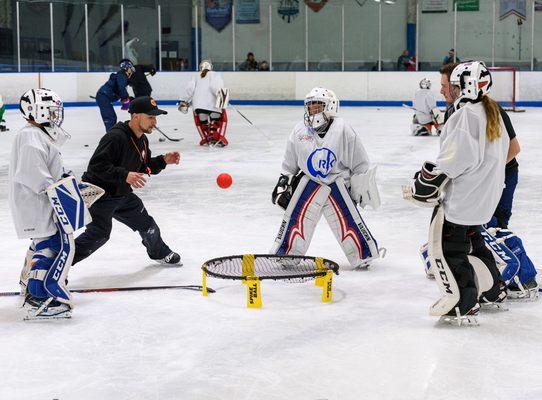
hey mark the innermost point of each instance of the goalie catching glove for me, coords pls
(426, 190)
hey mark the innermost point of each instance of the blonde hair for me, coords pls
(493, 127)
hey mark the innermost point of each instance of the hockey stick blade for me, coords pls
(92, 97)
(196, 288)
(167, 137)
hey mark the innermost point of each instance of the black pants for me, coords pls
(458, 241)
(131, 212)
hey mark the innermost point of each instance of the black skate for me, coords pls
(523, 292)
(454, 317)
(171, 259)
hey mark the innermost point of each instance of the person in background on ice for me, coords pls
(120, 162)
(464, 185)
(326, 170)
(209, 99)
(113, 90)
(520, 271)
(427, 114)
(139, 82)
(35, 166)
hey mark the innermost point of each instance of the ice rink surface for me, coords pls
(375, 341)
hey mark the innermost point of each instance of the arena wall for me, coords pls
(354, 88)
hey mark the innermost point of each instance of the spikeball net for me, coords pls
(253, 268)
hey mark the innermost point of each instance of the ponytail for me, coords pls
(493, 127)
(204, 73)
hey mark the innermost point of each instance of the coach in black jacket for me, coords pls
(120, 162)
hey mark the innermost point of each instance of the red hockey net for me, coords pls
(505, 87)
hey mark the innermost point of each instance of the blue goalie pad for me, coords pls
(495, 241)
(68, 204)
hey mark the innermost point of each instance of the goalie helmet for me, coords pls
(127, 65)
(206, 65)
(44, 107)
(331, 107)
(425, 84)
(474, 81)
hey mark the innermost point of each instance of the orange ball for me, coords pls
(224, 180)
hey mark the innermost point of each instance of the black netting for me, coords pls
(266, 266)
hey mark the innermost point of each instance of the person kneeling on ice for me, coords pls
(120, 162)
(326, 171)
(46, 205)
(427, 113)
(464, 186)
(209, 99)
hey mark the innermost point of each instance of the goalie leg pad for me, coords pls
(68, 204)
(300, 218)
(202, 125)
(349, 229)
(219, 123)
(453, 274)
(506, 260)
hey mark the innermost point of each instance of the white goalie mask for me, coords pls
(44, 107)
(425, 84)
(474, 81)
(206, 65)
(330, 103)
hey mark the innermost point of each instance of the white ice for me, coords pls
(374, 341)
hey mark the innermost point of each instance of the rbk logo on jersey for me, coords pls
(320, 162)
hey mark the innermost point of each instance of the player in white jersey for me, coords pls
(465, 184)
(427, 113)
(209, 99)
(326, 171)
(40, 202)
(3, 127)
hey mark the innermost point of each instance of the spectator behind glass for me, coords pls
(250, 64)
(264, 66)
(450, 58)
(403, 61)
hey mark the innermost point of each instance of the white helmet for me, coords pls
(474, 80)
(206, 64)
(425, 84)
(44, 107)
(331, 107)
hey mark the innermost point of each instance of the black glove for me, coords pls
(153, 71)
(282, 192)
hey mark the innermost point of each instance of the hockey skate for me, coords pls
(454, 317)
(494, 304)
(171, 259)
(523, 292)
(38, 309)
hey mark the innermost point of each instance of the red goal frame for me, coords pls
(513, 106)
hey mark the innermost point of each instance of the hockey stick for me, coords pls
(167, 137)
(196, 288)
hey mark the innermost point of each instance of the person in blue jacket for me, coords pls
(113, 90)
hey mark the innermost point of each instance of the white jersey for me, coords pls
(339, 153)
(202, 91)
(35, 164)
(475, 165)
(424, 102)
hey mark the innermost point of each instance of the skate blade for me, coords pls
(31, 316)
(493, 307)
(525, 296)
(465, 320)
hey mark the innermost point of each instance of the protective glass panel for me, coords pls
(475, 33)
(8, 37)
(35, 36)
(288, 41)
(325, 37)
(537, 62)
(394, 43)
(217, 34)
(435, 35)
(104, 31)
(513, 37)
(141, 34)
(178, 45)
(361, 35)
(69, 37)
(252, 36)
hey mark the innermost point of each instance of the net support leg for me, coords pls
(327, 287)
(204, 284)
(254, 293)
(319, 281)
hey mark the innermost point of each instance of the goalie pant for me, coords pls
(464, 267)
(309, 201)
(211, 126)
